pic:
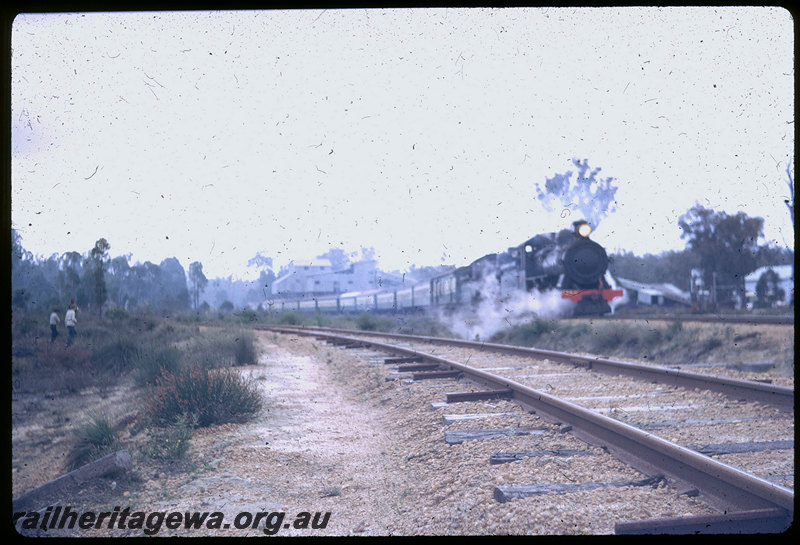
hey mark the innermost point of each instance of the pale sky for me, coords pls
(211, 136)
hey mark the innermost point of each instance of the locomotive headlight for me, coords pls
(584, 230)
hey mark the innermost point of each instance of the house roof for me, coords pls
(311, 263)
(670, 291)
(785, 272)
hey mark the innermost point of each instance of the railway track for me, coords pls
(728, 442)
(707, 318)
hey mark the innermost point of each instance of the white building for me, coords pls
(306, 279)
(639, 293)
(785, 281)
(295, 281)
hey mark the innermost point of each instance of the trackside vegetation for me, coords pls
(187, 378)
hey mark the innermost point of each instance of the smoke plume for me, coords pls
(496, 311)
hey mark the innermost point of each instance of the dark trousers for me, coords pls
(53, 332)
(71, 335)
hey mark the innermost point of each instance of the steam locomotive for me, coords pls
(572, 263)
(568, 262)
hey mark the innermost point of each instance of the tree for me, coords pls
(768, 289)
(20, 298)
(198, 280)
(22, 267)
(725, 245)
(367, 254)
(667, 267)
(338, 258)
(260, 262)
(266, 277)
(140, 287)
(174, 295)
(769, 255)
(99, 256)
(593, 198)
(18, 253)
(119, 279)
(71, 268)
(34, 282)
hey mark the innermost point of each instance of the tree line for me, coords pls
(724, 248)
(95, 280)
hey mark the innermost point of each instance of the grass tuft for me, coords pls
(91, 440)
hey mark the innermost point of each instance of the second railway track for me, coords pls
(731, 445)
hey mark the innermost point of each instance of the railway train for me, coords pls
(567, 261)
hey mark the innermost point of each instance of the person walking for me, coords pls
(70, 320)
(54, 321)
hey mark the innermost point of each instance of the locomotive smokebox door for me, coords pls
(585, 262)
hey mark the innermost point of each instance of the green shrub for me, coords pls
(223, 348)
(578, 330)
(23, 325)
(208, 352)
(651, 337)
(188, 317)
(119, 354)
(247, 316)
(151, 362)
(67, 369)
(246, 348)
(366, 322)
(215, 396)
(321, 320)
(91, 440)
(144, 322)
(290, 318)
(92, 332)
(673, 329)
(214, 356)
(610, 337)
(531, 332)
(170, 442)
(117, 314)
(527, 334)
(372, 322)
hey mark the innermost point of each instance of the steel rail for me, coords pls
(781, 397)
(725, 487)
(739, 522)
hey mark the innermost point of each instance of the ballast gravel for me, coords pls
(340, 434)
(372, 452)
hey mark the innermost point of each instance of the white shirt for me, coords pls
(70, 319)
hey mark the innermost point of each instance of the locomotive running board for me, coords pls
(576, 295)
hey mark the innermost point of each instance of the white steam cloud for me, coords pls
(497, 310)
